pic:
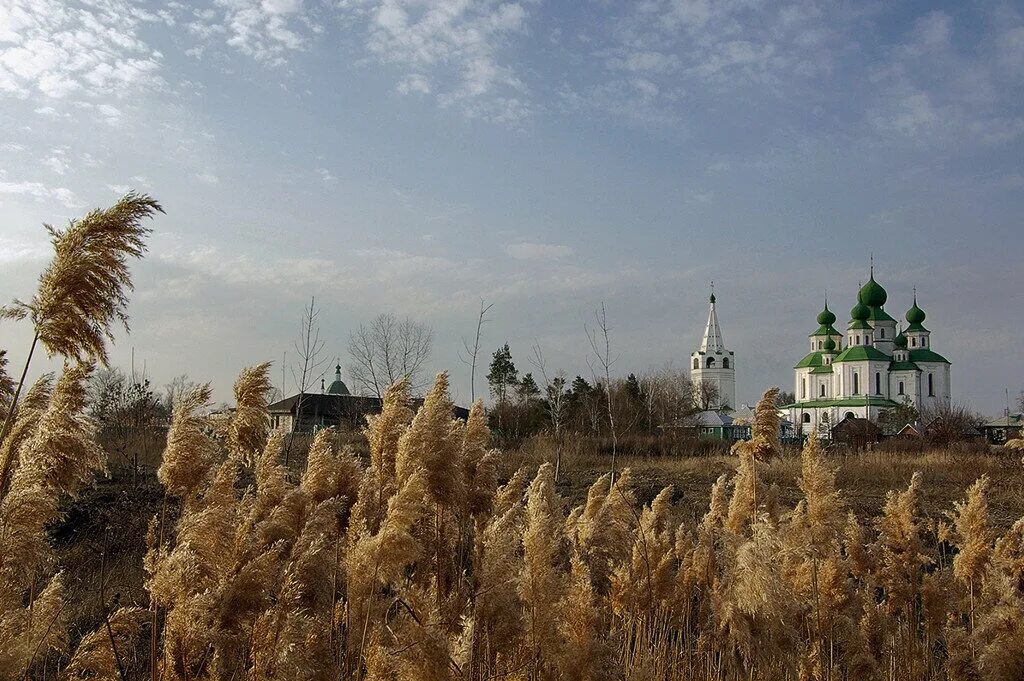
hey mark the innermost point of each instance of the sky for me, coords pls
(419, 156)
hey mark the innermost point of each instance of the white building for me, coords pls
(713, 364)
(870, 368)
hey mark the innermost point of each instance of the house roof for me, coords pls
(862, 353)
(926, 355)
(1011, 421)
(712, 419)
(335, 406)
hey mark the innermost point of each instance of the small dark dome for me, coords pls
(860, 312)
(338, 386)
(901, 341)
(830, 345)
(826, 317)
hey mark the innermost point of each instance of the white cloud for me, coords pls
(18, 251)
(266, 30)
(534, 251)
(206, 177)
(451, 49)
(55, 49)
(42, 192)
(57, 161)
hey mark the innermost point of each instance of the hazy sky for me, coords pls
(415, 156)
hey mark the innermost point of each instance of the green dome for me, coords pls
(826, 317)
(830, 345)
(915, 315)
(872, 294)
(338, 386)
(901, 341)
(860, 312)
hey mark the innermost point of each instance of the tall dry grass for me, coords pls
(420, 566)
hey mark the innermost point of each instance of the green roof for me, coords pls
(862, 353)
(926, 355)
(904, 366)
(872, 294)
(826, 317)
(859, 401)
(879, 315)
(823, 369)
(811, 360)
(916, 326)
(858, 324)
(826, 330)
(915, 315)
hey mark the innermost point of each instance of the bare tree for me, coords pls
(386, 350)
(309, 350)
(706, 394)
(128, 413)
(600, 343)
(474, 352)
(554, 402)
(176, 388)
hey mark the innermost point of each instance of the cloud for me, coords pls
(206, 177)
(534, 251)
(451, 49)
(42, 192)
(19, 251)
(265, 30)
(58, 50)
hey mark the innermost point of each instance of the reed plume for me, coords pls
(247, 433)
(189, 453)
(385, 429)
(82, 292)
(7, 386)
(764, 441)
(543, 576)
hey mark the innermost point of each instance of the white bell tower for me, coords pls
(713, 365)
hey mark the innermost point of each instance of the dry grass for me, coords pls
(413, 563)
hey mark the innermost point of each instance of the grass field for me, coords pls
(114, 514)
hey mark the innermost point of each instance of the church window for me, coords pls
(882, 331)
(878, 383)
(924, 341)
(822, 390)
(806, 417)
(696, 363)
(913, 341)
(711, 362)
(803, 388)
(856, 384)
(858, 340)
(931, 386)
(901, 387)
(725, 363)
(850, 415)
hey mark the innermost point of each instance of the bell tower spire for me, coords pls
(714, 366)
(712, 341)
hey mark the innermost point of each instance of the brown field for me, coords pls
(114, 514)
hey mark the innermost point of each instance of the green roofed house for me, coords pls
(871, 367)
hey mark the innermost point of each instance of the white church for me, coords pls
(714, 365)
(870, 368)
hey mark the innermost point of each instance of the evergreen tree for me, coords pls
(528, 389)
(503, 375)
(633, 388)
